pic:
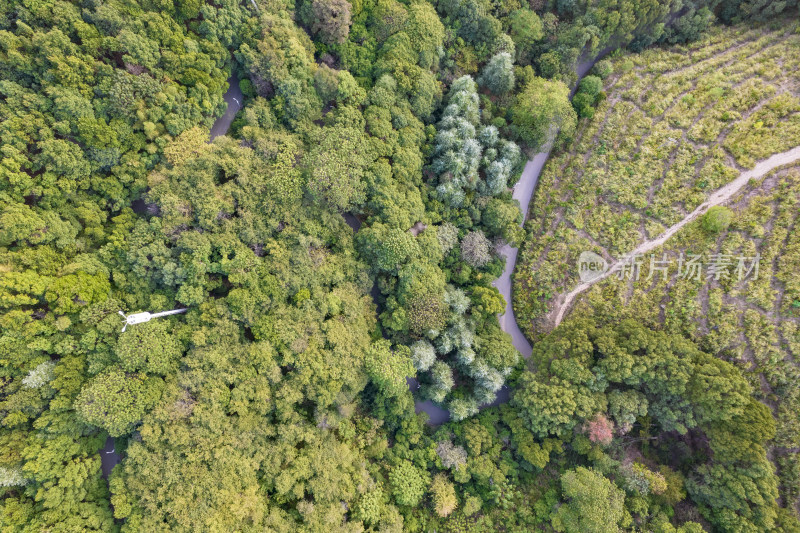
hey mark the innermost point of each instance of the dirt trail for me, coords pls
(719, 197)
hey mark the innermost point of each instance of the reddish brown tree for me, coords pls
(600, 429)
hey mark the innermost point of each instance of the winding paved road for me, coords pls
(523, 192)
(234, 98)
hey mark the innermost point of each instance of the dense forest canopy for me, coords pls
(343, 237)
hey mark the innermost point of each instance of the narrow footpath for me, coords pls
(721, 196)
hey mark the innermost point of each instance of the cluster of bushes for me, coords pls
(589, 94)
(591, 385)
(464, 150)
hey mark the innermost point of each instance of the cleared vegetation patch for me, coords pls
(677, 124)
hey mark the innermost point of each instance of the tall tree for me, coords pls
(593, 503)
(331, 20)
(542, 113)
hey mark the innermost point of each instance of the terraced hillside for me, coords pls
(750, 318)
(676, 125)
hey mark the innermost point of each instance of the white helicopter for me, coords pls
(138, 318)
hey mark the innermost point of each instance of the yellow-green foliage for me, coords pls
(444, 495)
(678, 124)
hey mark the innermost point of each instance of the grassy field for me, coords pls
(676, 125)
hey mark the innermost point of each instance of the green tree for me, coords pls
(331, 20)
(588, 94)
(426, 33)
(336, 166)
(487, 301)
(387, 18)
(385, 248)
(593, 503)
(625, 407)
(116, 401)
(475, 24)
(591, 85)
(443, 494)
(408, 483)
(371, 506)
(526, 30)
(63, 488)
(543, 112)
(583, 104)
(738, 490)
(717, 219)
(498, 74)
(502, 219)
(550, 409)
(326, 82)
(420, 292)
(388, 368)
(149, 348)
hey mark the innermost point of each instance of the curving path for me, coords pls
(722, 195)
(234, 98)
(522, 192)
